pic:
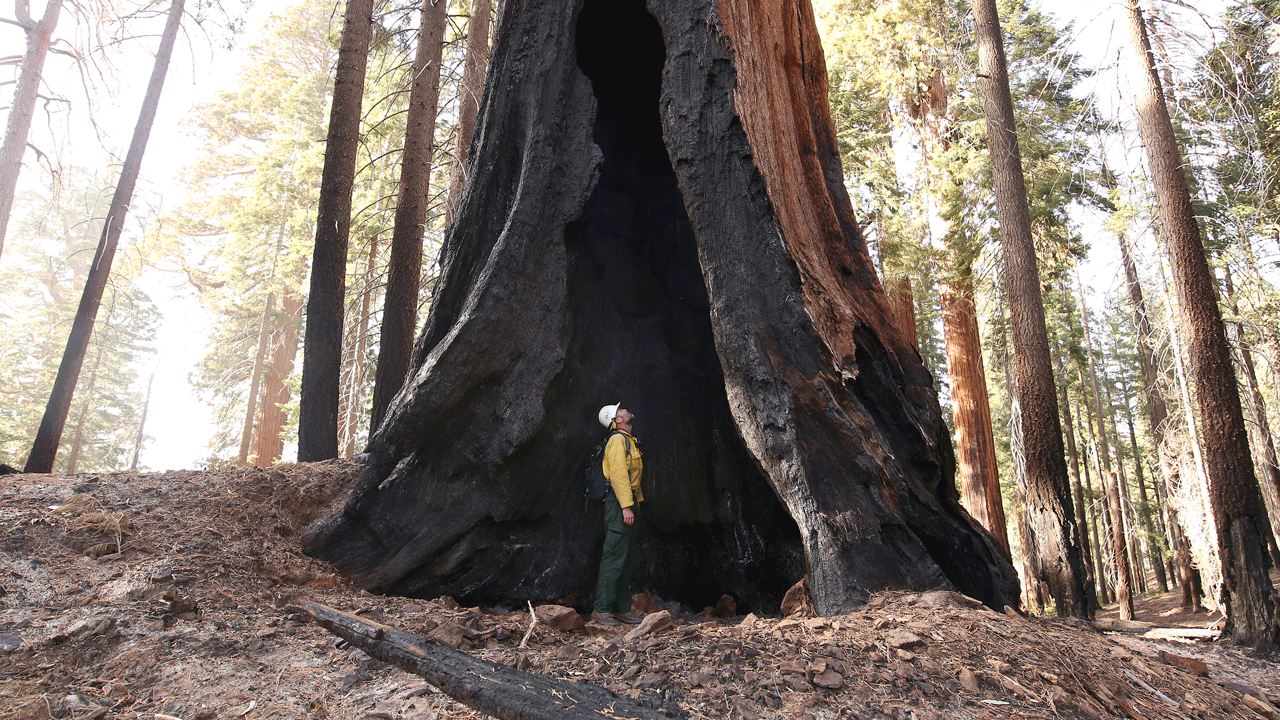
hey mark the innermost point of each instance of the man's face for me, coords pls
(624, 416)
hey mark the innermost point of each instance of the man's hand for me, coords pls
(628, 517)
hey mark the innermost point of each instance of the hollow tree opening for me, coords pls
(641, 334)
(688, 249)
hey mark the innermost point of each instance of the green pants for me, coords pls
(613, 584)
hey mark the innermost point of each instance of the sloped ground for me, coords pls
(178, 594)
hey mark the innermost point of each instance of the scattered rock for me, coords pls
(650, 681)
(903, 639)
(652, 623)
(829, 679)
(726, 606)
(448, 633)
(559, 617)
(1262, 707)
(947, 598)
(644, 603)
(968, 680)
(797, 600)
(569, 652)
(88, 627)
(745, 708)
(10, 641)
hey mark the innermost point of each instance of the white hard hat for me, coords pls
(607, 413)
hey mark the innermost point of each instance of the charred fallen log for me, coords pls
(656, 214)
(498, 690)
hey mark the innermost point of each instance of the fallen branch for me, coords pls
(499, 690)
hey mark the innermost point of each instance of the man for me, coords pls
(622, 467)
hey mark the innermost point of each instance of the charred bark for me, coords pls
(497, 690)
(655, 214)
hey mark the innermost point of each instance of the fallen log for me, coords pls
(498, 690)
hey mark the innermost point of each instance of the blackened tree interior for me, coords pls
(642, 336)
(753, 351)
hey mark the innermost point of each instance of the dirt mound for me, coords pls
(178, 594)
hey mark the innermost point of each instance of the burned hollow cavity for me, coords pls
(642, 335)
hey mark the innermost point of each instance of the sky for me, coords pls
(178, 421)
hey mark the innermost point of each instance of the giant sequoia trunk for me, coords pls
(655, 214)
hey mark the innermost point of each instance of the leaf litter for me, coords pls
(177, 595)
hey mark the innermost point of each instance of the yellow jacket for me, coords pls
(622, 470)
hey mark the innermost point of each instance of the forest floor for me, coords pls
(177, 595)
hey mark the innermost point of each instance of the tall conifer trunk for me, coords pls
(1052, 518)
(268, 441)
(1235, 499)
(77, 441)
(400, 304)
(1258, 407)
(326, 301)
(45, 447)
(1077, 488)
(1108, 479)
(473, 70)
(975, 442)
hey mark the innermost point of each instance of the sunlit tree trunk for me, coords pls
(322, 354)
(1119, 549)
(255, 380)
(473, 71)
(45, 447)
(1148, 525)
(1096, 510)
(1235, 499)
(1052, 518)
(1126, 501)
(23, 106)
(400, 304)
(1270, 476)
(1077, 491)
(975, 443)
(355, 385)
(1157, 412)
(268, 440)
(260, 357)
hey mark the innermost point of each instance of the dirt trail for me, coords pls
(179, 594)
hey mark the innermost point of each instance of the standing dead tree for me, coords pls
(655, 213)
(39, 36)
